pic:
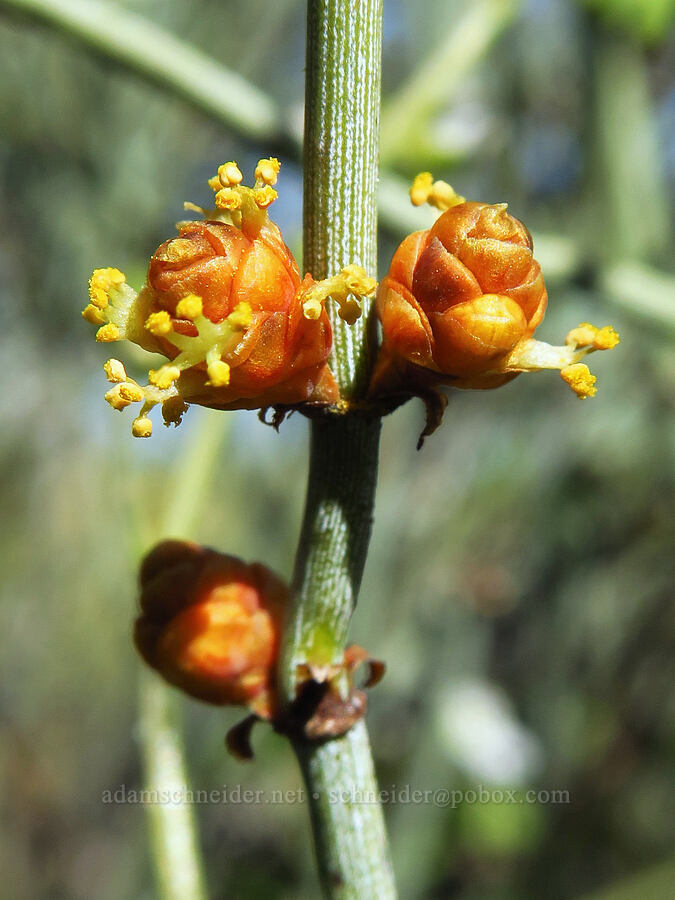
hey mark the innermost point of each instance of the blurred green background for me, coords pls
(520, 583)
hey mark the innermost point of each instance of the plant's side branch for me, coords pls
(155, 54)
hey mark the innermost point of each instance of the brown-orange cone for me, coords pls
(459, 297)
(210, 624)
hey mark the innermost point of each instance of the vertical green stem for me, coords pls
(341, 140)
(342, 109)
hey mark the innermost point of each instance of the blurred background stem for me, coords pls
(342, 104)
(627, 178)
(173, 829)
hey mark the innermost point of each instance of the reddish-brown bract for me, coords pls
(282, 355)
(460, 296)
(210, 624)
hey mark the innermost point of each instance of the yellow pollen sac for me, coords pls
(114, 399)
(219, 373)
(421, 188)
(444, 196)
(100, 284)
(582, 336)
(436, 193)
(241, 316)
(264, 196)
(93, 315)
(131, 392)
(159, 323)
(358, 281)
(141, 427)
(114, 371)
(108, 333)
(163, 378)
(229, 175)
(580, 379)
(267, 170)
(587, 335)
(190, 307)
(123, 394)
(606, 338)
(228, 198)
(311, 309)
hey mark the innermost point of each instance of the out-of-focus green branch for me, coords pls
(643, 292)
(627, 181)
(407, 112)
(160, 57)
(146, 49)
(174, 839)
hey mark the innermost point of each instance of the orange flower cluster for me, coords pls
(282, 355)
(461, 301)
(210, 624)
(225, 304)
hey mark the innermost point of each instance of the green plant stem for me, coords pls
(341, 131)
(173, 830)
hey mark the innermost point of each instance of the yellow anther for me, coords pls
(114, 399)
(444, 196)
(101, 283)
(93, 314)
(241, 316)
(164, 377)
(606, 338)
(267, 170)
(159, 323)
(311, 309)
(131, 392)
(120, 396)
(358, 281)
(190, 307)
(587, 335)
(229, 175)
(141, 427)
(436, 193)
(582, 336)
(264, 196)
(421, 188)
(214, 183)
(227, 198)
(114, 371)
(108, 333)
(580, 379)
(219, 373)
